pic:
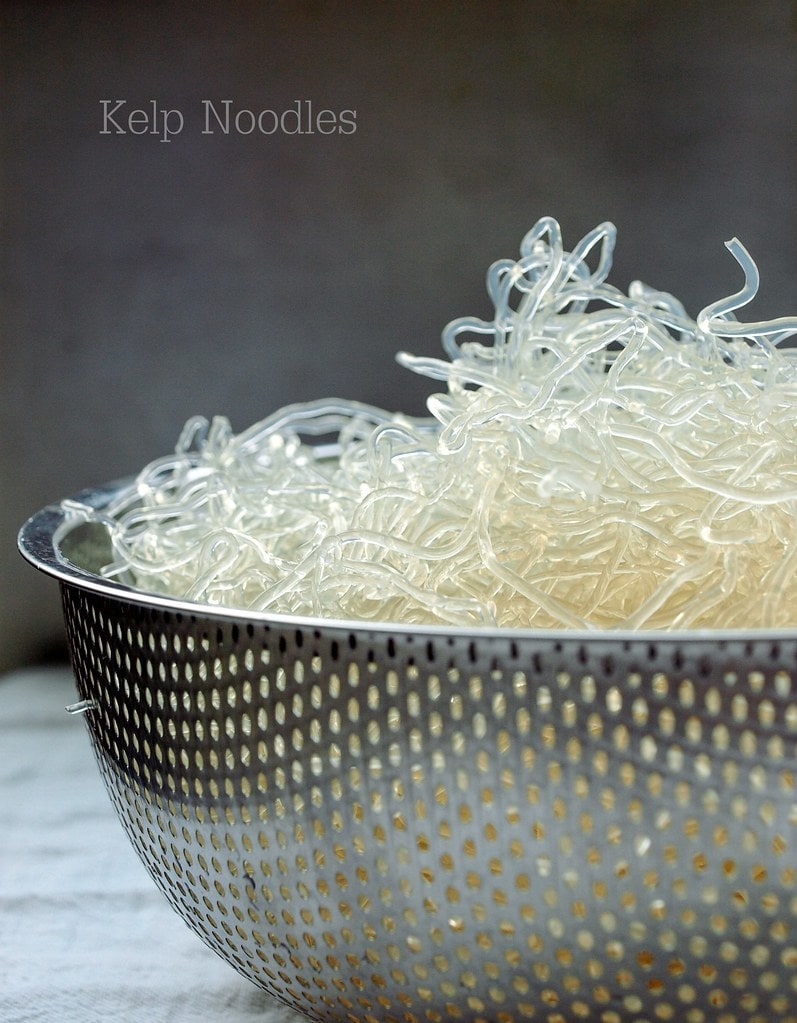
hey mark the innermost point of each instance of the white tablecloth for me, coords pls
(84, 934)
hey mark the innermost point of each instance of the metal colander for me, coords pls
(386, 824)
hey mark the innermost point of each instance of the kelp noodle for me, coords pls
(598, 460)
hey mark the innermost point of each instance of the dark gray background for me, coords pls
(143, 282)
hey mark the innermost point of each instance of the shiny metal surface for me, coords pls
(403, 825)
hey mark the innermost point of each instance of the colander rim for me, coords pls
(37, 543)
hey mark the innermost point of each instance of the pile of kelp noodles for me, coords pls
(597, 460)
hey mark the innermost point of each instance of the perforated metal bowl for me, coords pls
(383, 824)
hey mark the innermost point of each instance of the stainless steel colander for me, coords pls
(389, 824)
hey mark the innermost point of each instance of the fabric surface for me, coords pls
(84, 933)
